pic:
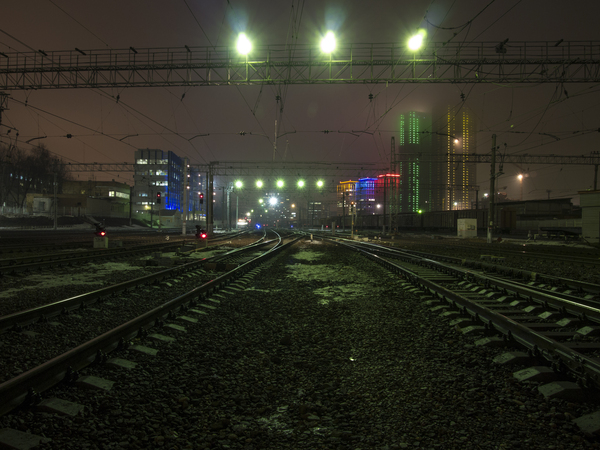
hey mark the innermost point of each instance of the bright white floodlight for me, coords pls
(328, 42)
(273, 201)
(415, 42)
(243, 44)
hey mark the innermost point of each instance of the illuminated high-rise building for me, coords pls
(415, 162)
(458, 133)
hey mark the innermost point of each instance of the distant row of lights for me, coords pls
(279, 183)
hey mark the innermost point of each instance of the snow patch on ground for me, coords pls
(308, 255)
(34, 281)
(354, 280)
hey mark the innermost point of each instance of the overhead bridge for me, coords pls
(482, 62)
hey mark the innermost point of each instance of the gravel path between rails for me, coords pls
(324, 349)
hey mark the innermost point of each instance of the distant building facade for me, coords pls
(346, 194)
(416, 164)
(458, 132)
(81, 198)
(158, 174)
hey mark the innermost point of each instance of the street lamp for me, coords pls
(259, 183)
(416, 41)
(273, 201)
(520, 177)
(280, 183)
(328, 42)
(320, 183)
(243, 44)
(300, 183)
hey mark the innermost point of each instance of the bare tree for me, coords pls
(30, 171)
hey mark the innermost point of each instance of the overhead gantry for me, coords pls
(476, 62)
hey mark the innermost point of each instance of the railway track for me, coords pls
(557, 327)
(40, 242)
(163, 305)
(587, 257)
(322, 348)
(538, 280)
(58, 259)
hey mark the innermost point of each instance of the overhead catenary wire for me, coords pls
(80, 24)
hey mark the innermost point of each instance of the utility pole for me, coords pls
(3, 103)
(185, 191)
(343, 211)
(237, 209)
(492, 191)
(223, 210)
(275, 141)
(130, 203)
(393, 182)
(228, 208)
(384, 203)
(210, 222)
(55, 204)
(352, 212)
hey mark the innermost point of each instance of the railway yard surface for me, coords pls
(318, 348)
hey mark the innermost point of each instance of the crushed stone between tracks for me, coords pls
(325, 350)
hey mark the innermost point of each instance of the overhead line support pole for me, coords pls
(492, 191)
(185, 194)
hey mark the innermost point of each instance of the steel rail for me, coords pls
(62, 259)
(513, 272)
(584, 368)
(24, 388)
(20, 319)
(6, 263)
(579, 307)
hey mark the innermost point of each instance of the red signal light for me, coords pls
(100, 231)
(203, 236)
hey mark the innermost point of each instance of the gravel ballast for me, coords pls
(322, 349)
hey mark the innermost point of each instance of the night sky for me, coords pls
(527, 118)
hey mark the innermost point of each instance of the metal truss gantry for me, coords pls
(266, 169)
(482, 62)
(339, 170)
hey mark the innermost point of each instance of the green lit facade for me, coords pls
(414, 161)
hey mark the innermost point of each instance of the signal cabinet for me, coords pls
(100, 242)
